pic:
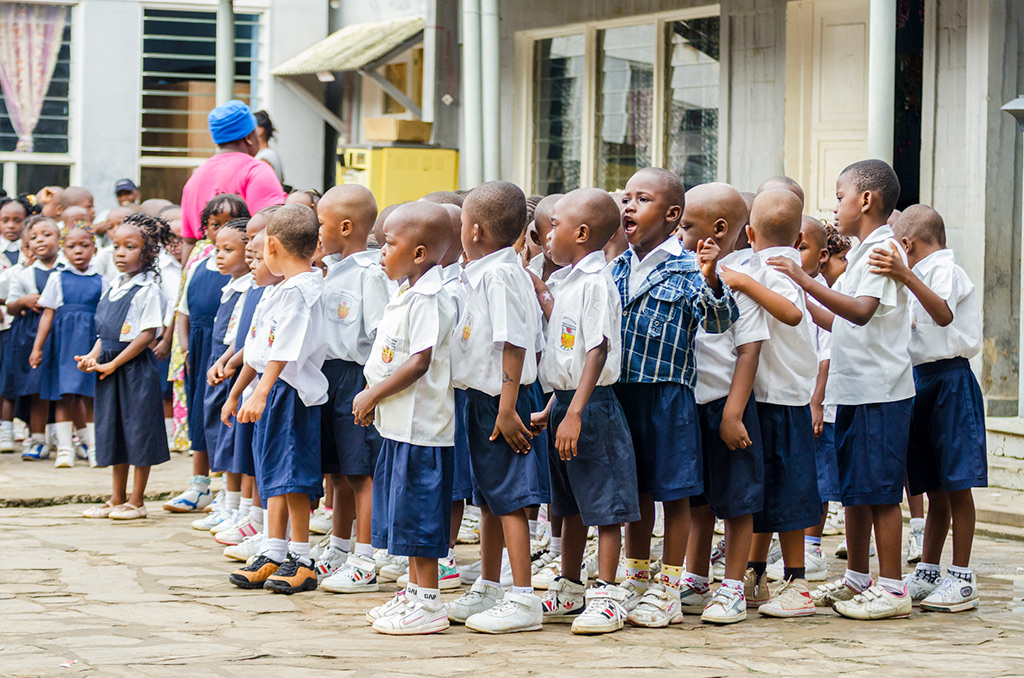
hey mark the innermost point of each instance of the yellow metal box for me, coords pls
(396, 174)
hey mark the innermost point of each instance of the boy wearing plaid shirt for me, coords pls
(666, 293)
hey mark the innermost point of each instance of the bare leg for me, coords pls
(916, 503)
(247, 486)
(677, 530)
(609, 543)
(458, 508)
(120, 493)
(277, 517)
(298, 515)
(200, 463)
(328, 492)
(79, 416)
(362, 491)
(516, 527)
(698, 546)
(492, 539)
(574, 542)
(760, 544)
(961, 503)
(255, 492)
(344, 511)
(638, 534)
(888, 522)
(739, 534)
(426, 571)
(818, 529)
(858, 538)
(556, 524)
(936, 527)
(792, 544)
(233, 482)
(38, 414)
(139, 486)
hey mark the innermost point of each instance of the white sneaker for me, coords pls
(218, 501)
(317, 550)
(479, 598)
(381, 557)
(242, 529)
(356, 575)
(65, 458)
(658, 608)
(841, 549)
(321, 521)
(35, 452)
(790, 599)
(719, 526)
(195, 498)
(398, 566)
(247, 549)
(717, 570)
(915, 544)
(470, 573)
(918, 587)
(632, 595)
(447, 575)
(329, 562)
(517, 612)
(394, 606)
(815, 567)
(541, 562)
(233, 518)
(6, 441)
(952, 594)
(690, 600)
(563, 602)
(469, 529)
(875, 603)
(775, 550)
(727, 606)
(210, 520)
(659, 521)
(827, 595)
(835, 520)
(414, 619)
(603, 614)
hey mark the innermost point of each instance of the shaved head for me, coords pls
(593, 207)
(542, 214)
(776, 218)
(670, 182)
(352, 202)
(784, 183)
(715, 210)
(922, 223)
(813, 232)
(425, 223)
(75, 196)
(455, 246)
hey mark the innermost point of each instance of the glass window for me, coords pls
(691, 100)
(558, 113)
(179, 78)
(625, 97)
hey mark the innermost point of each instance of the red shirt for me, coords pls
(239, 173)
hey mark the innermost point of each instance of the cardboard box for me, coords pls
(395, 129)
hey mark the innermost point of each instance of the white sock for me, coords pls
(556, 546)
(858, 581)
(169, 426)
(697, 582)
(917, 523)
(90, 434)
(734, 584)
(490, 583)
(894, 586)
(344, 545)
(451, 553)
(535, 529)
(276, 549)
(256, 514)
(266, 525)
(929, 571)
(232, 500)
(62, 430)
(300, 549)
(364, 551)
(244, 505)
(431, 598)
(7, 427)
(522, 590)
(964, 573)
(49, 434)
(411, 590)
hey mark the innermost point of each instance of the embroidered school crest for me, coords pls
(270, 337)
(467, 328)
(232, 322)
(126, 327)
(388, 351)
(568, 334)
(343, 309)
(252, 331)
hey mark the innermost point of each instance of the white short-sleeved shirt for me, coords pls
(788, 366)
(586, 312)
(52, 295)
(289, 328)
(418, 318)
(823, 347)
(170, 283)
(104, 262)
(146, 311)
(716, 353)
(23, 282)
(451, 275)
(6, 276)
(870, 363)
(9, 246)
(962, 337)
(210, 261)
(355, 294)
(501, 307)
(242, 284)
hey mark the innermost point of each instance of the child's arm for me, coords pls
(254, 405)
(732, 431)
(544, 296)
(216, 374)
(508, 424)
(87, 362)
(821, 316)
(707, 255)
(539, 420)
(163, 346)
(36, 357)
(137, 346)
(230, 407)
(568, 433)
(365, 402)
(183, 328)
(858, 310)
(890, 264)
(818, 397)
(29, 302)
(780, 308)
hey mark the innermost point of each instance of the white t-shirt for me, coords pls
(146, 311)
(418, 318)
(355, 294)
(962, 337)
(586, 311)
(501, 306)
(52, 295)
(823, 346)
(870, 363)
(289, 328)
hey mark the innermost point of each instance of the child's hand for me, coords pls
(790, 268)
(104, 369)
(35, 359)
(512, 428)
(734, 433)
(568, 436)
(889, 263)
(86, 363)
(253, 408)
(817, 418)
(363, 406)
(538, 422)
(162, 349)
(734, 279)
(708, 252)
(32, 303)
(228, 371)
(229, 410)
(215, 374)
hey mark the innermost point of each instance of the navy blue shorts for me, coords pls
(541, 442)
(828, 468)
(286, 446)
(462, 484)
(241, 436)
(791, 500)
(662, 419)
(733, 479)
(947, 448)
(345, 446)
(412, 512)
(503, 481)
(599, 483)
(220, 451)
(871, 449)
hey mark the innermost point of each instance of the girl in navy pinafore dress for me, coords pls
(128, 403)
(68, 328)
(17, 378)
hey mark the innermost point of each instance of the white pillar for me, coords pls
(881, 78)
(490, 36)
(471, 153)
(225, 51)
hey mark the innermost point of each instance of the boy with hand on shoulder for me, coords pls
(543, 265)
(494, 360)
(871, 382)
(355, 294)
(284, 352)
(592, 465)
(665, 294)
(409, 398)
(947, 454)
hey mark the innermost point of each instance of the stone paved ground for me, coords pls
(151, 598)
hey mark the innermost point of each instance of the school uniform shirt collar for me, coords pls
(592, 263)
(671, 247)
(9, 245)
(943, 257)
(239, 284)
(537, 265)
(166, 259)
(309, 284)
(451, 272)
(123, 282)
(429, 284)
(874, 239)
(363, 259)
(475, 270)
(760, 258)
(39, 264)
(91, 270)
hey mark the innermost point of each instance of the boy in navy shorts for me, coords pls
(665, 294)
(355, 294)
(410, 400)
(493, 355)
(592, 464)
(871, 381)
(947, 454)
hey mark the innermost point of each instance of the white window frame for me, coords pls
(522, 132)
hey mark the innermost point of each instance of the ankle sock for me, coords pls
(734, 584)
(794, 573)
(893, 586)
(917, 523)
(964, 573)
(522, 590)
(232, 500)
(556, 546)
(363, 551)
(344, 545)
(411, 590)
(277, 549)
(639, 572)
(244, 506)
(490, 583)
(88, 434)
(62, 432)
(7, 427)
(812, 542)
(670, 576)
(431, 598)
(858, 581)
(300, 549)
(758, 567)
(256, 514)
(698, 583)
(929, 572)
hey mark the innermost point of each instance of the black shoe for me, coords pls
(255, 574)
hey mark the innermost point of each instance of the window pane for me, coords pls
(691, 100)
(625, 94)
(32, 177)
(558, 113)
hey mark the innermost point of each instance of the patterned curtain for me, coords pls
(30, 38)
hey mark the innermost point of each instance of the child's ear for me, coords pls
(908, 244)
(582, 234)
(476, 232)
(346, 227)
(823, 258)
(721, 227)
(534, 235)
(419, 254)
(674, 213)
(750, 234)
(867, 201)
